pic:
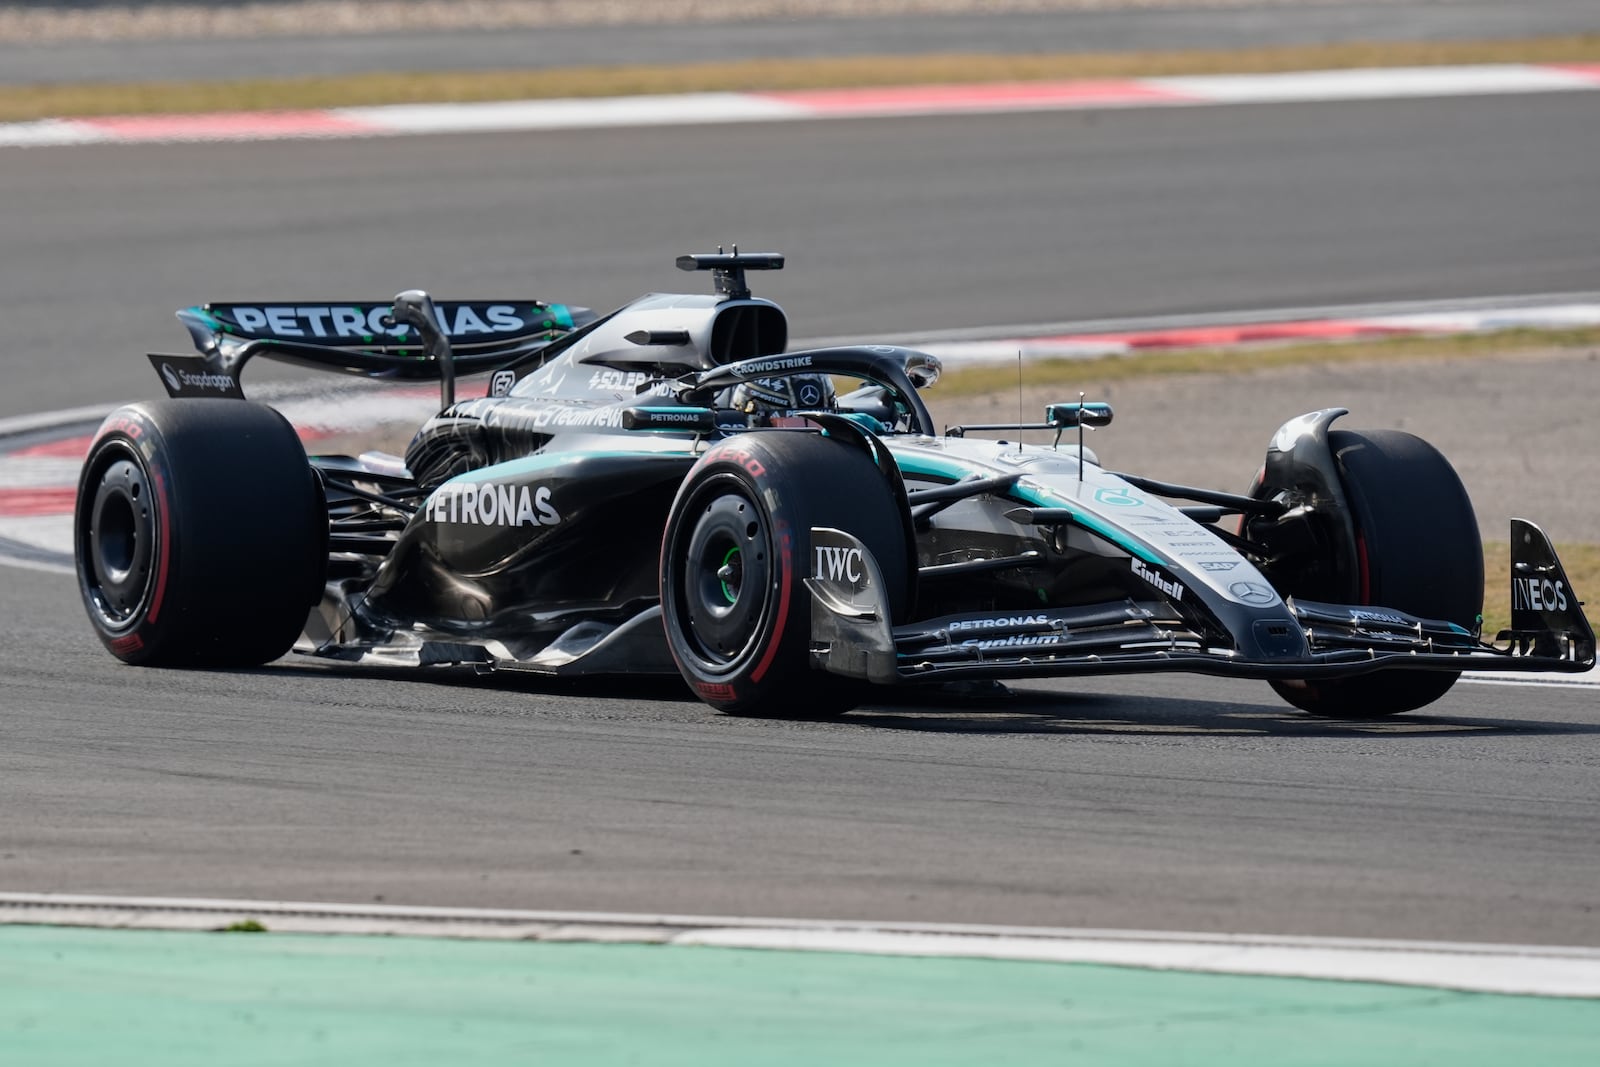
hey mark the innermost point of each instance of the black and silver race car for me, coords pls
(666, 489)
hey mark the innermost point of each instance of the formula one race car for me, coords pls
(666, 489)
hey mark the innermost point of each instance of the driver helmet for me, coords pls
(795, 392)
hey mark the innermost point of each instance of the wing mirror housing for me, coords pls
(1065, 416)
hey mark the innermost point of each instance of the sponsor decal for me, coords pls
(618, 380)
(1363, 615)
(1118, 498)
(835, 563)
(1218, 564)
(1167, 585)
(768, 367)
(179, 380)
(128, 643)
(1253, 593)
(501, 383)
(1538, 594)
(715, 691)
(347, 321)
(700, 420)
(491, 504)
(1021, 641)
(810, 395)
(516, 417)
(192, 376)
(1010, 622)
(129, 428)
(733, 454)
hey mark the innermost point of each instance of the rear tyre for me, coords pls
(1417, 549)
(735, 555)
(200, 534)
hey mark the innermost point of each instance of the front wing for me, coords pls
(852, 635)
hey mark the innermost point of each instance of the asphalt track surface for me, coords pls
(1173, 803)
(1110, 30)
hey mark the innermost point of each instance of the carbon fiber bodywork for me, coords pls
(523, 530)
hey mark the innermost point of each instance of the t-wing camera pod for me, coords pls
(727, 268)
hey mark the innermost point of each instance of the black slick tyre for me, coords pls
(735, 555)
(200, 534)
(1417, 549)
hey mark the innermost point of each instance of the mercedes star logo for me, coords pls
(1252, 593)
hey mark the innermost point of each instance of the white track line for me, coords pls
(705, 108)
(674, 110)
(1377, 83)
(1588, 679)
(1489, 968)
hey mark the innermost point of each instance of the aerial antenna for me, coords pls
(1080, 436)
(1020, 419)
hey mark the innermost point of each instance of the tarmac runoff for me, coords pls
(89, 979)
(732, 107)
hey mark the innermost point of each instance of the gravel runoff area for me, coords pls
(91, 20)
(1212, 429)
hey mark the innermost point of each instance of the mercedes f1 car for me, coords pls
(668, 489)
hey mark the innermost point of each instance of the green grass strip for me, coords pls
(78, 996)
(18, 103)
(1247, 359)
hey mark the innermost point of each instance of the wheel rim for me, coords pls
(117, 543)
(723, 579)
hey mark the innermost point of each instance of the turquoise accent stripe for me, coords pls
(930, 467)
(199, 312)
(1093, 523)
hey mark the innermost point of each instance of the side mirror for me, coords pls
(923, 368)
(1065, 416)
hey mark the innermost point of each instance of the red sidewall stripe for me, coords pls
(164, 528)
(786, 569)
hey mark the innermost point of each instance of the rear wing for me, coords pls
(360, 338)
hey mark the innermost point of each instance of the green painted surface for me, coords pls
(79, 996)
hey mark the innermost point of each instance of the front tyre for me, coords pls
(735, 555)
(200, 535)
(1417, 550)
